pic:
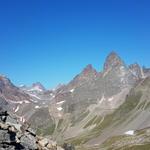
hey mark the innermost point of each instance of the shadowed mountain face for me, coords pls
(90, 109)
(10, 92)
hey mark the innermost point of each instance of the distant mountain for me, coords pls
(10, 92)
(20, 101)
(36, 87)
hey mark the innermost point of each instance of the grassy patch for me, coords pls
(90, 122)
(147, 106)
(118, 116)
(141, 105)
(59, 123)
(112, 140)
(136, 147)
(48, 130)
(130, 103)
(79, 118)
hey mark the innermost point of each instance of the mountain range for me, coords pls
(96, 110)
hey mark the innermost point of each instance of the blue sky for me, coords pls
(52, 40)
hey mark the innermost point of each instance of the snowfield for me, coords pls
(130, 132)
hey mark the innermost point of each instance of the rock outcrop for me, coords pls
(14, 136)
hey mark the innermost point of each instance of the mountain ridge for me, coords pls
(79, 111)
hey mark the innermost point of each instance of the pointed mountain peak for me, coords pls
(113, 54)
(5, 81)
(112, 61)
(137, 70)
(89, 69)
(38, 86)
(135, 66)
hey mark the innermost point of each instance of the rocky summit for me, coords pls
(96, 110)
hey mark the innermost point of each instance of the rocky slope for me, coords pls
(14, 136)
(84, 107)
(128, 126)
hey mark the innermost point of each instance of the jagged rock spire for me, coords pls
(89, 69)
(137, 70)
(38, 86)
(112, 60)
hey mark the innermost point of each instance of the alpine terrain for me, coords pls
(96, 110)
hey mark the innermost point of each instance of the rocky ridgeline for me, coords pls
(17, 137)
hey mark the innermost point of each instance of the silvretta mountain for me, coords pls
(96, 110)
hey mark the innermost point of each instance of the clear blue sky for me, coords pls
(52, 40)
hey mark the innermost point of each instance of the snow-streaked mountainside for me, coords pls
(95, 111)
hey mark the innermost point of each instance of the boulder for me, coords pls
(44, 142)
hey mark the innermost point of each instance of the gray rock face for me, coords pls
(39, 86)
(3, 104)
(68, 146)
(23, 139)
(146, 71)
(88, 74)
(28, 141)
(90, 86)
(113, 61)
(137, 71)
(11, 92)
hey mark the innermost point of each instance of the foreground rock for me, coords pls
(12, 138)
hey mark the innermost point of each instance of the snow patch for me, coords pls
(36, 88)
(102, 99)
(26, 102)
(106, 72)
(130, 132)
(61, 102)
(16, 102)
(59, 108)
(21, 85)
(122, 79)
(34, 96)
(22, 119)
(72, 90)
(122, 69)
(17, 108)
(142, 73)
(110, 99)
(36, 107)
(34, 101)
(51, 94)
